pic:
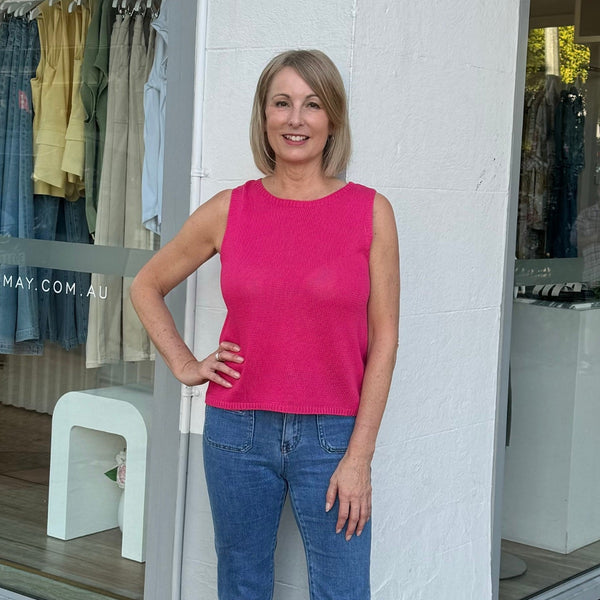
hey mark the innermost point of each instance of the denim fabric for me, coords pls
(18, 302)
(251, 460)
(73, 308)
(46, 218)
(6, 37)
(63, 314)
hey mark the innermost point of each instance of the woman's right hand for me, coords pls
(198, 372)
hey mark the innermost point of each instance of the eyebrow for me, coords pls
(288, 96)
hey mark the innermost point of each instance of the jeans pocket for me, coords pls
(231, 430)
(334, 432)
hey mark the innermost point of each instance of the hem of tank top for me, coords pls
(282, 408)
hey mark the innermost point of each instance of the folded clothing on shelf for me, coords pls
(571, 292)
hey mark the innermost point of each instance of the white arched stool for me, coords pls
(88, 429)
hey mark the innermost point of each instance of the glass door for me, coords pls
(79, 215)
(551, 506)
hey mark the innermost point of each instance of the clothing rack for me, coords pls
(29, 8)
(19, 8)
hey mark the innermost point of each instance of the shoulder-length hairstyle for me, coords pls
(319, 72)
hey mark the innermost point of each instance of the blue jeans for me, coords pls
(252, 459)
(63, 315)
(19, 329)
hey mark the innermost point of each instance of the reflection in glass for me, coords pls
(79, 215)
(551, 506)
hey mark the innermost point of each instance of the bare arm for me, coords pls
(351, 481)
(198, 240)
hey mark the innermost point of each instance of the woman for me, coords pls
(298, 384)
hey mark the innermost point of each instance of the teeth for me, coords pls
(296, 138)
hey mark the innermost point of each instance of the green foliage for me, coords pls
(574, 58)
(536, 60)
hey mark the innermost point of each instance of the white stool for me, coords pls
(89, 428)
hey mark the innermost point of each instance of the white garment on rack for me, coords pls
(155, 97)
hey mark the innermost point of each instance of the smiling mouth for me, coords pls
(295, 138)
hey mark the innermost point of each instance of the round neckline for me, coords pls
(268, 194)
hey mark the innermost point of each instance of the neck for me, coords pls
(298, 181)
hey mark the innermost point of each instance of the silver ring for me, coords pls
(218, 357)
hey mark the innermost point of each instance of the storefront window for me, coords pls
(81, 107)
(551, 506)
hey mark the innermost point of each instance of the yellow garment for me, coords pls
(58, 114)
(74, 154)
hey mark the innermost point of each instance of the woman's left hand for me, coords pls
(351, 483)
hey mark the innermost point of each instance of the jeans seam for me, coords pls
(274, 544)
(306, 541)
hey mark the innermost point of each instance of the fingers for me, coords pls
(352, 513)
(330, 495)
(365, 515)
(353, 518)
(343, 514)
(228, 352)
(216, 364)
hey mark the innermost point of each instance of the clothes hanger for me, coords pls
(34, 13)
(73, 5)
(18, 8)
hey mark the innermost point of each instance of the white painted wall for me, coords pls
(431, 87)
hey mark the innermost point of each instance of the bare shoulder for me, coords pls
(216, 207)
(384, 221)
(382, 205)
(207, 223)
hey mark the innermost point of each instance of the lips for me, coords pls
(295, 138)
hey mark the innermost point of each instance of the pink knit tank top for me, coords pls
(295, 279)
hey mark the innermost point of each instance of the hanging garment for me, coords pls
(63, 295)
(155, 103)
(74, 153)
(51, 102)
(19, 330)
(105, 320)
(94, 96)
(569, 144)
(6, 55)
(537, 167)
(136, 343)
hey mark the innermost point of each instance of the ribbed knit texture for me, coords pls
(295, 279)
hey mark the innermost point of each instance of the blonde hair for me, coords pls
(323, 77)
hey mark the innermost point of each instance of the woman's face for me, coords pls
(297, 125)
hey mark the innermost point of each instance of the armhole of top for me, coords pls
(370, 193)
(232, 211)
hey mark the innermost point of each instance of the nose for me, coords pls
(295, 117)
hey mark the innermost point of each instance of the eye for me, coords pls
(313, 105)
(281, 103)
